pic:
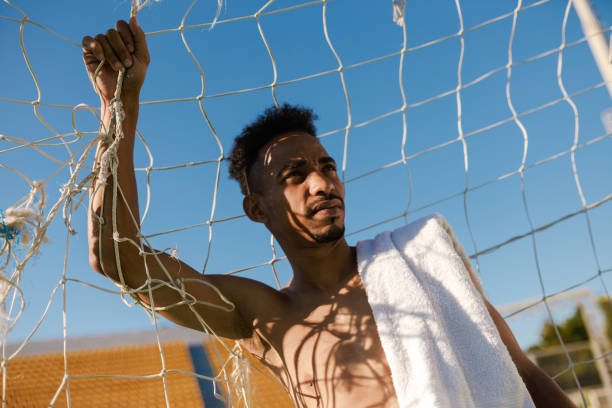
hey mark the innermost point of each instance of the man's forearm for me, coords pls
(109, 209)
(544, 391)
(113, 222)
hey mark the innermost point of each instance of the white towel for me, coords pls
(441, 343)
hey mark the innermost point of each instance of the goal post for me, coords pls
(597, 39)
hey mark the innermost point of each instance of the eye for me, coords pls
(329, 167)
(293, 175)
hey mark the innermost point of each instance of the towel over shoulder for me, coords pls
(441, 344)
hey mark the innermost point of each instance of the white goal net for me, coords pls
(487, 112)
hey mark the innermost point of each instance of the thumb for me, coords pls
(141, 50)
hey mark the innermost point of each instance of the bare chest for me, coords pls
(331, 353)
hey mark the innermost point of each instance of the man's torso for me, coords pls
(326, 350)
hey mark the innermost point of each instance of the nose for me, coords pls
(319, 184)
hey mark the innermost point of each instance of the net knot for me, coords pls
(110, 155)
(116, 107)
(105, 138)
(70, 189)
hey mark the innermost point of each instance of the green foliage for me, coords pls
(571, 330)
(587, 374)
(606, 307)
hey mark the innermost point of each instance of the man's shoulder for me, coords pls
(413, 227)
(252, 298)
(433, 226)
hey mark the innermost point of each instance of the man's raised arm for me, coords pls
(121, 259)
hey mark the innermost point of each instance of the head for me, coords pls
(289, 180)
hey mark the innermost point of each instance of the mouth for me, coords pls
(327, 207)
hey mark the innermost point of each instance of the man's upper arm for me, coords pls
(226, 304)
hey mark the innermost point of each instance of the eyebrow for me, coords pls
(327, 159)
(297, 163)
(292, 164)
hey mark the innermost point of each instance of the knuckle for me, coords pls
(110, 32)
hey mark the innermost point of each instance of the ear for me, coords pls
(253, 208)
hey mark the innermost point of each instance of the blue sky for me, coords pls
(233, 57)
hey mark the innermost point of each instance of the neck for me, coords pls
(322, 266)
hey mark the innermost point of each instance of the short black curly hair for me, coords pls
(271, 123)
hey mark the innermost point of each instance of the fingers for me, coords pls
(115, 47)
(123, 29)
(109, 54)
(140, 43)
(91, 46)
(119, 47)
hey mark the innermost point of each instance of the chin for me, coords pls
(330, 234)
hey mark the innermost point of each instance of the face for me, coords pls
(300, 193)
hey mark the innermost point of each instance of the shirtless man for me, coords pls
(317, 335)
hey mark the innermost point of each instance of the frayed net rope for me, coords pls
(16, 223)
(398, 12)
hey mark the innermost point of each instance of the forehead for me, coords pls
(290, 146)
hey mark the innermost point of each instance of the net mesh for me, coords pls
(421, 154)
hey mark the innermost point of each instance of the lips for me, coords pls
(334, 203)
